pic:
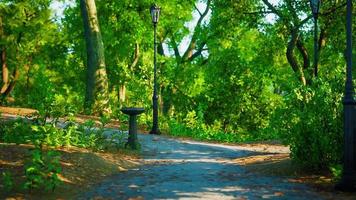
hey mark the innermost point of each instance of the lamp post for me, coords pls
(155, 11)
(315, 6)
(348, 180)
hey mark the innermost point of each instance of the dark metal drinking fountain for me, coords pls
(132, 141)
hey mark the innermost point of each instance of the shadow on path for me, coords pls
(175, 169)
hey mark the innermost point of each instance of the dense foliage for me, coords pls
(229, 71)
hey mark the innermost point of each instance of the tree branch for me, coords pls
(136, 56)
(175, 48)
(292, 11)
(198, 52)
(196, 8)
(303, 51)
(290, 48)
(272, 8)
(189, 52)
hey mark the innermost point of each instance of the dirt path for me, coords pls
(178, 169)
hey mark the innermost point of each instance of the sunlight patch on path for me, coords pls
(182, 169)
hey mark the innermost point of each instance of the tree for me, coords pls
(25, 28)
(290, 21)
(127, 32)
(97, 96)
(183, 75)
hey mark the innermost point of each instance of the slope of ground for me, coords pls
(81, 169)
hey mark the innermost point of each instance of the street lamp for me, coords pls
(348, 180)
(315, 6)
(155, 11)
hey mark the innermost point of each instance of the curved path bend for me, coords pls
(180, 169)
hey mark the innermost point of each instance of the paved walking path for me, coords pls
(176, 169)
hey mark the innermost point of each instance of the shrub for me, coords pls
(42, 170)
(311, 122)
(7, 181)
(204, 132)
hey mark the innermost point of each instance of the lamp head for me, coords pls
(155, 11)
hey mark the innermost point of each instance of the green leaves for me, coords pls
(7, 180)
(311, 122)
(42, 170)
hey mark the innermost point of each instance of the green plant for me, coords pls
(33, 171)
(336, 171)
(52, 169)
(204, 132)
(17, 131)
(7, 181)
(47, 134)
(104, 120)
(42, 170)
(118, 140)
(311, 123)
(71, 135)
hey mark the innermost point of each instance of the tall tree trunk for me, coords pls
(122, 93)
(5, 72)
(96, 96)
(8, 84)
(15, 77)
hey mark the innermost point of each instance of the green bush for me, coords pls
(205, 133)
(194, 126)
(311, 122)
(42, 170)
(17, 131)
(22, 131)
(7, 181)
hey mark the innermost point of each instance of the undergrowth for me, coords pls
(42, 165)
